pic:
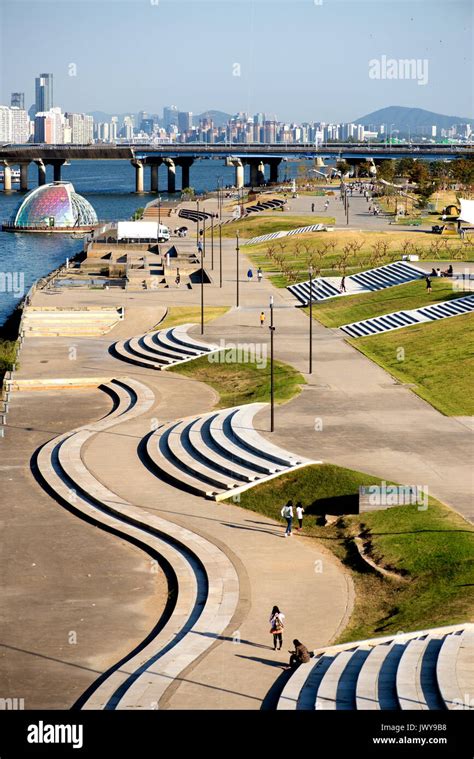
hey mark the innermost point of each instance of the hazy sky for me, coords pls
(298, 59)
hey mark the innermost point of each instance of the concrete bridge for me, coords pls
(256, 155)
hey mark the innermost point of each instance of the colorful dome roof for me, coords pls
(54, 205)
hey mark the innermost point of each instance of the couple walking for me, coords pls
(300, 653)
(287, 513)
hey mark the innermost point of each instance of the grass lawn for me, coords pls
(438, 360)
(265, 223)
(239, 382)
(432, 549)
(287, 259)
(183, 314)
(351, 308)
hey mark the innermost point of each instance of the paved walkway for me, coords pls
(369, 423)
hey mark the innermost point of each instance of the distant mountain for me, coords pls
(411, 119)
(220, 118)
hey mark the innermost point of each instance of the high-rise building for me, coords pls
(5, 124)
(44, 93)
(82, 128)
(147, 125)
(170, 116)
(49, 127)
(17, 100)
(185, 121)
(20, 125)
(113, 132)
(14, 125)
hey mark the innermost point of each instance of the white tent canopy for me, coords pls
(467, 211)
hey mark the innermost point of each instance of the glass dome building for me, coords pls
(52, 206)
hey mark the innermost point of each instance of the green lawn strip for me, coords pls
(338, 311)
(289, 256)
(7, 356)
(262, 224)
(436, 357)
(431, 549)
(183, 314)
(239, 382)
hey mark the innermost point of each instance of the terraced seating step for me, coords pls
(390, 275)
(218, 454)
(400, 319)
(424, 670)
(162, 348)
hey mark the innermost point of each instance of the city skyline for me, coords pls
(261, 57)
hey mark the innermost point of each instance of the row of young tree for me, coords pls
(427, 176)
(459, 171)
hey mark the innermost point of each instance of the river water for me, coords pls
(108, 185)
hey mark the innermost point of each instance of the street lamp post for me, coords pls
(212, 242)
(202, 290)
(310, 320)
(204, 233)
(237, 270)
(197, 222)
(272, 378)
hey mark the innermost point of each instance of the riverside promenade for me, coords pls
(65, 576)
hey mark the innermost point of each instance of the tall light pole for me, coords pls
(212, 242)
(197, 222)
(237, 270)
(272, 378)
(202, 290)
(310, 319)
(204, 233)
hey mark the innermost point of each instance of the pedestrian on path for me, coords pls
(312, 207)
(199, 246)
(250, 275)
(262, 318)
(299, 515)
(287, 513)
(299, 656)
(342, 286)
(428, 284)
(259, 274)
(276, 627)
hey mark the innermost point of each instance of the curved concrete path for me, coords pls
(239, 671)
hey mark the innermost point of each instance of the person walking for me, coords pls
(299, 656)
(312, 207)
(276, 627)
(250, 275)
(299, 515)
(287, 513)
(262, 318)
(342, 286)
(259, 274)
(428, 284)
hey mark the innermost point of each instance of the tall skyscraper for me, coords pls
(170, 116)
(185, 121)
(17, 100)
(44, 92)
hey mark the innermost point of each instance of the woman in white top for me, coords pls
(299, 514)
(276, 627)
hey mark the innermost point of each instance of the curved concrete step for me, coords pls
(162, 348)
(205, 456)
(375, 688)
(122, 351)
(416, 675)
(198, 432)
(337, 689)
(242, 427)
(455, 670)
(206, 579)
